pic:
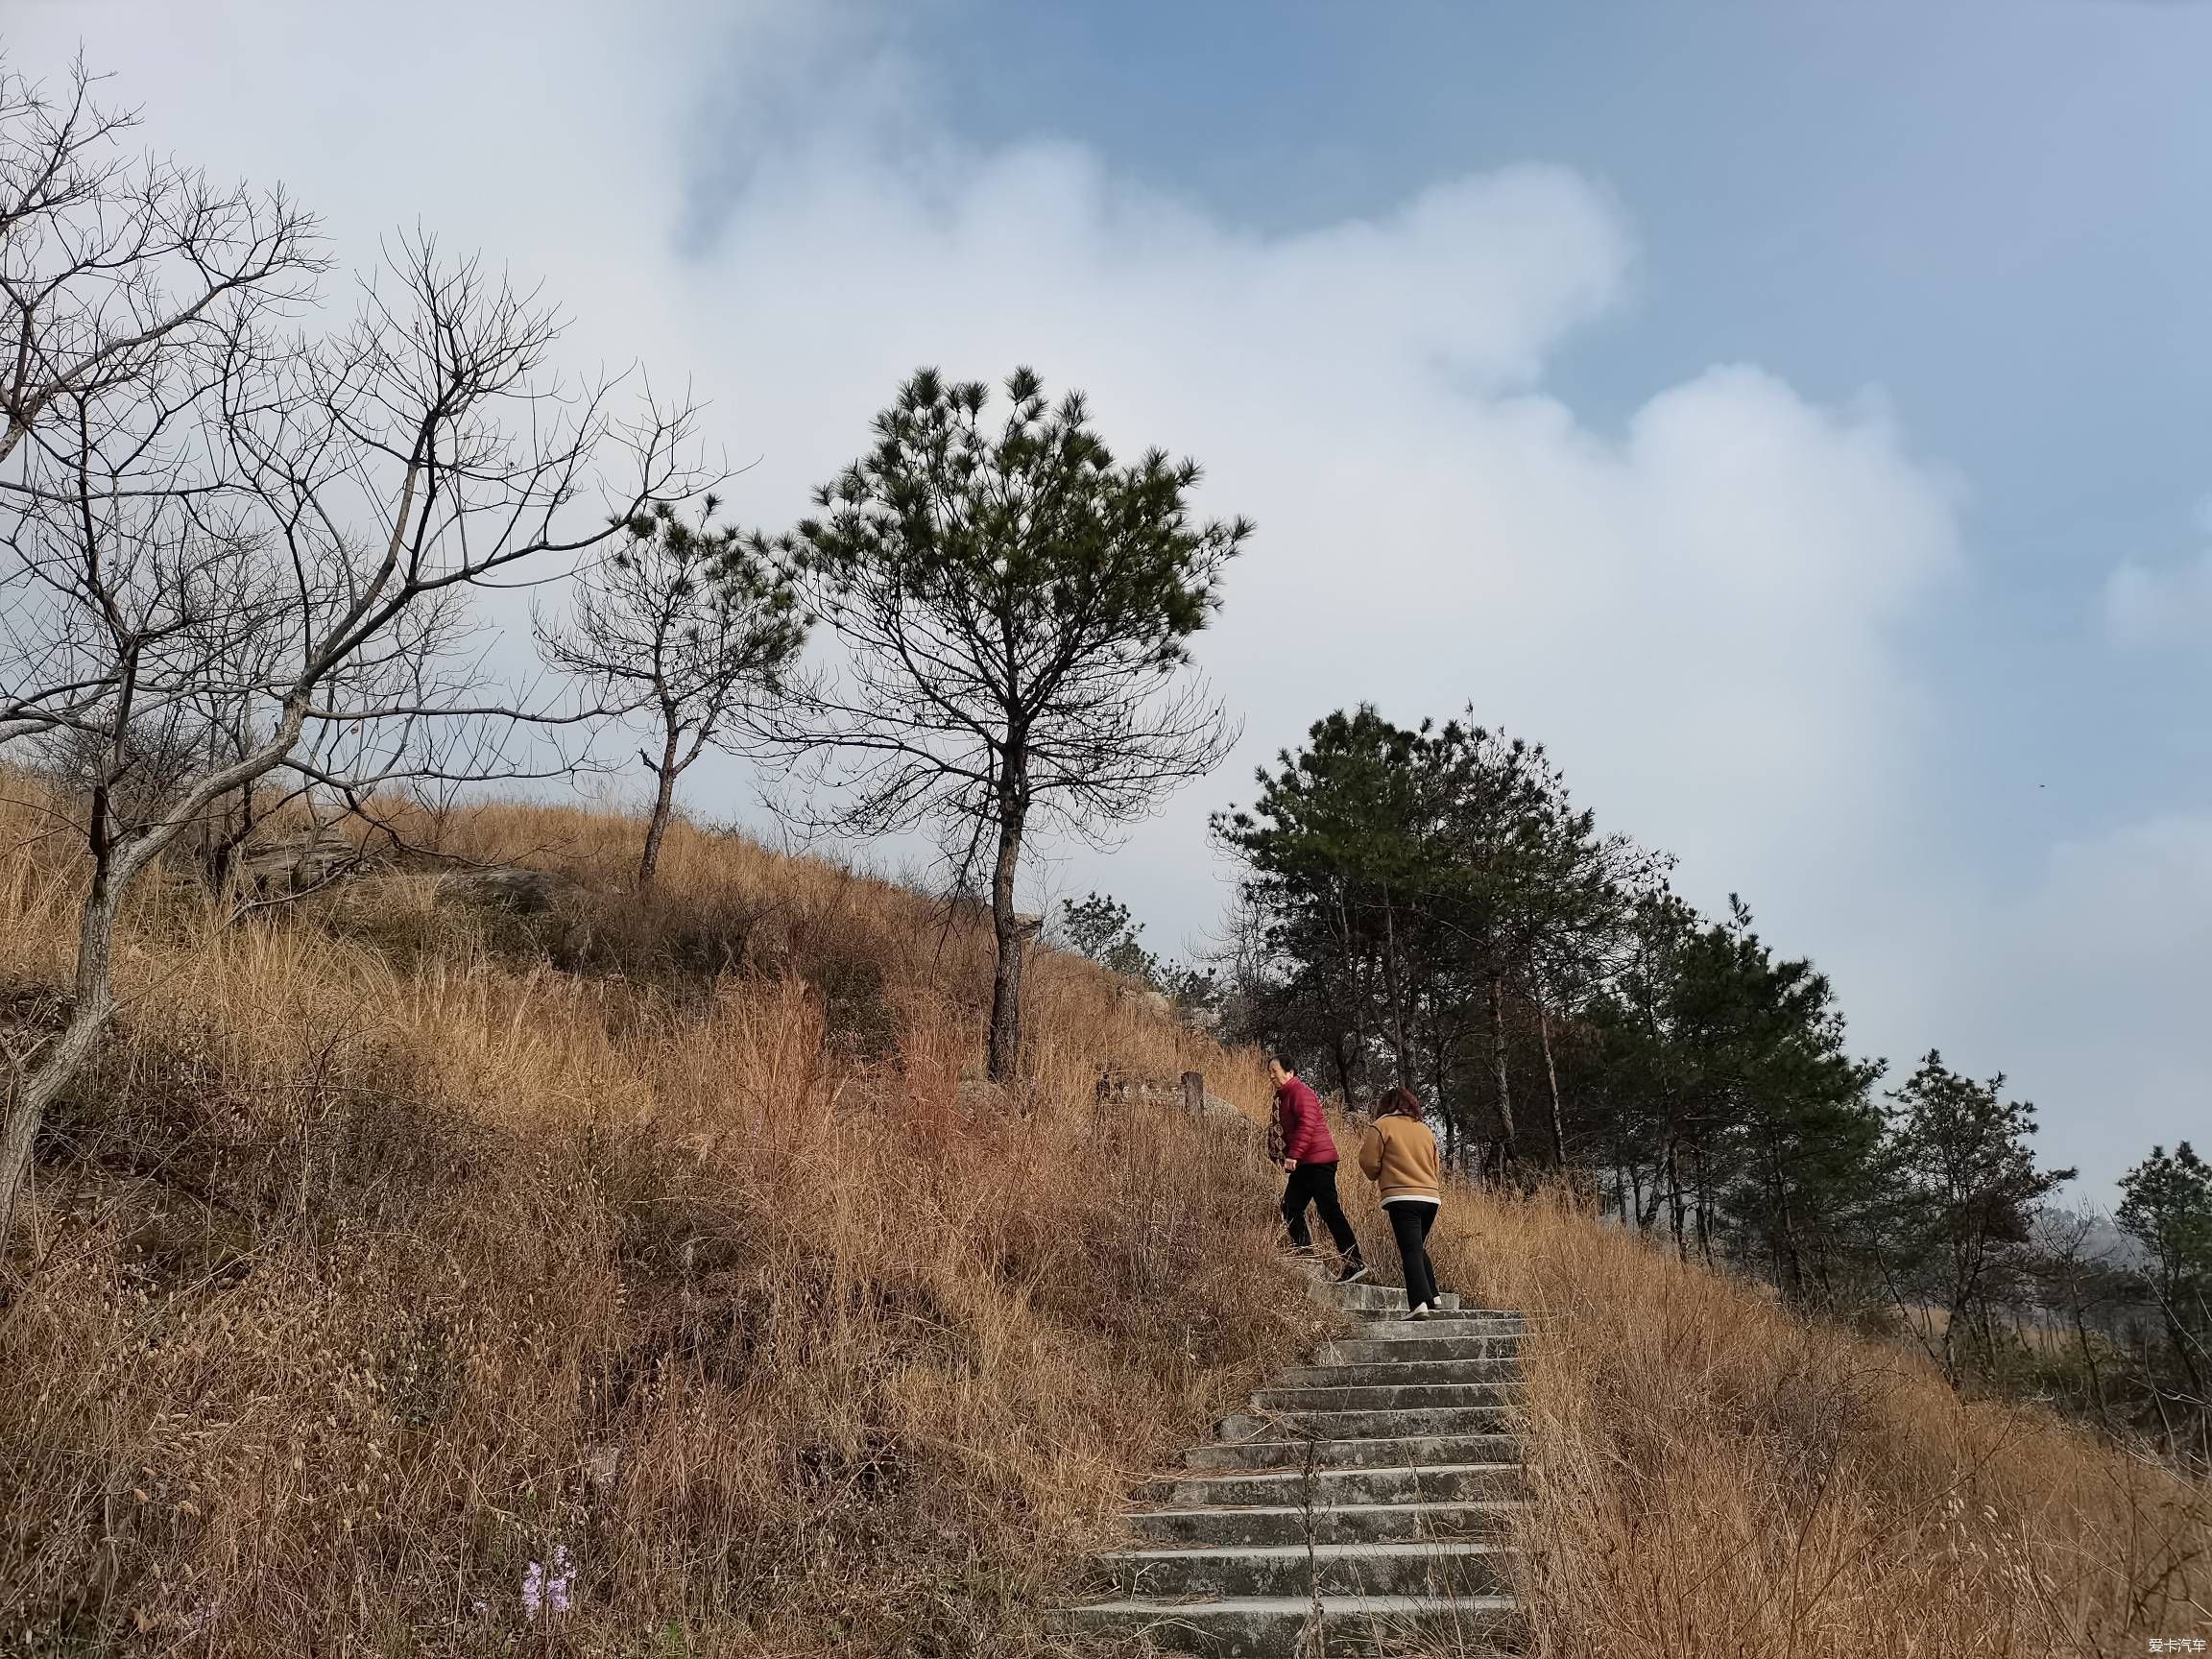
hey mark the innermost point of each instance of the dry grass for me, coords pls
(381, 1256)
(1720, 1478)
(398, 1243)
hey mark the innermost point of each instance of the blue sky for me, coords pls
(1994, 210)
(1995, 213)
(1797, 414)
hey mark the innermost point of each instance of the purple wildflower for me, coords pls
(548, 1590)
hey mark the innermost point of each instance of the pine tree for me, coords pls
(1728, 1097)
(1968, 1187)
(2165, 1206)
(1428, 883)
(1017, 608)
(1102, 927)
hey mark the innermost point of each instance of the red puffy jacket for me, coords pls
(1306, 1137)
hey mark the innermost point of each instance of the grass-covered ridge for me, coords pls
(382, 1256)
(1720, 1476)
(399, 1241)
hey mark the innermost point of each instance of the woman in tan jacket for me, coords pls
(1400, 1156)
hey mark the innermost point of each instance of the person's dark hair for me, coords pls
(1400, 1100)
(1286, 1063)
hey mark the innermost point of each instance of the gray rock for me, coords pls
(296, 861)
(506, 886)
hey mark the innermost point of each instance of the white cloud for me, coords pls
(1703, 612)
(1698, 613)
(2087, 986)
(2159, 605)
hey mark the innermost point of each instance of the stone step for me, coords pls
(1369, 1424)
(1434, 1484)
(1400, 1373)
(1369, 1297)
(1422, 1568)
(1365, 1348)
(1373, 1488)
(1385, 1396)
(1443, 1328)
(1271, 1628)
(1222, 1526)
(1355, 1454)
(1471, 1319)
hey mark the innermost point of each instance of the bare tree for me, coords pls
(1017, 608)
(688, 625)
(260, 550)
(109, 262)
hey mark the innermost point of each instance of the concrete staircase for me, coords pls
(1360, 1500)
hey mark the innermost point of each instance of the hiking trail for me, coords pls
(1360, 1500)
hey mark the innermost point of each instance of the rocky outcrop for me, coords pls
(506, 886)
(296, 861)
(301, 860)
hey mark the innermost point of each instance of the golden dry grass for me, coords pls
(379, 1258)
(396, 1242)
(1718, 1477)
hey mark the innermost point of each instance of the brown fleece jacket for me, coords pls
(1400, 1156)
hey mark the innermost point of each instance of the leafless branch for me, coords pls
(235, 560)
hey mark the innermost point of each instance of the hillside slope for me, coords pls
(405, 1240)
(1720, 1477)
(401, 1242)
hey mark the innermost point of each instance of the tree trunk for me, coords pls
(1354, 969)
(1498, 1059)
(226, 838)
(1359, 1004)
(42, 1084)
(1959, 1312)
(1343, 1066)
(1648, 1218)
(1013, 942)
(1791, 1261)
(664, 806)
(1400, 1050)
(2089, 1364)
(1704, 1203)
(1674, 1199)
(115, 866)
(1551, 1076)
(1439, 1096)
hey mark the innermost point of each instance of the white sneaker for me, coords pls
(1420, 1312)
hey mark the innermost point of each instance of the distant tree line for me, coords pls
(1427, 905)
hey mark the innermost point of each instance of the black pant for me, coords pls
(1410, 1222)
(1315, 1183)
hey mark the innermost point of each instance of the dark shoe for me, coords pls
(1355, 1270)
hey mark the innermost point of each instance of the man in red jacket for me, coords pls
(1308, 1154)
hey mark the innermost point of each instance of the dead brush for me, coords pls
(379, 1262)
(1717, 1475)
(385, 1255)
